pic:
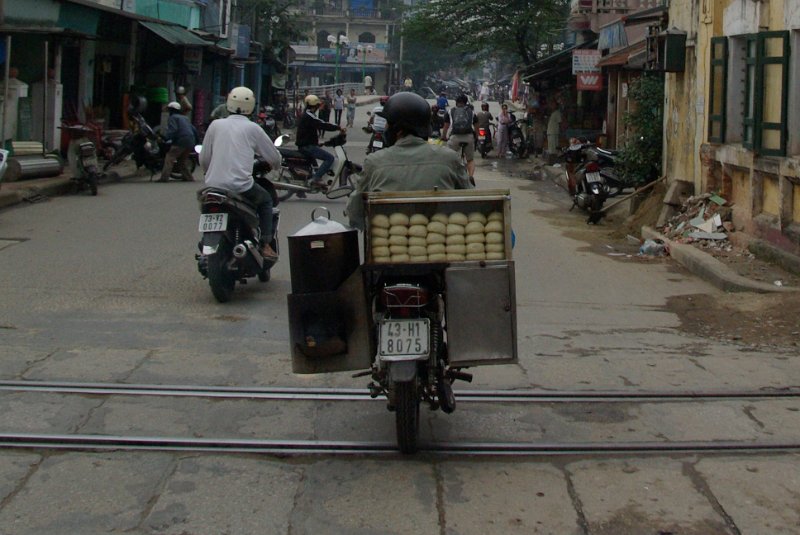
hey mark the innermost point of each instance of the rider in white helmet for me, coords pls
(229, 150)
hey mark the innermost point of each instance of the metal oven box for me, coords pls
(321, 262)
(481, 314)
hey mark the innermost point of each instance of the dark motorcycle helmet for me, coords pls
(408, 112)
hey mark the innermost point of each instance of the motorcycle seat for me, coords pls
(606, 152)
(227, 193)
(292, 153)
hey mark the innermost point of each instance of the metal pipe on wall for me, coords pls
(5, 92)
(44, 93)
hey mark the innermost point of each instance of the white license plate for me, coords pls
(377, 144)
(593, 177)
(481, 138)
(404, 338)
(213, 222)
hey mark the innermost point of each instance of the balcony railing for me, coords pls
(614, 6)
(354, 13)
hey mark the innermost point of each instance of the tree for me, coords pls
(490, 28)
(640, 155)
(272, 22)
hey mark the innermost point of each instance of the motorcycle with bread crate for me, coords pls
(434, 296)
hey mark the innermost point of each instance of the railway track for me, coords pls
(357, 394)
(79, 442)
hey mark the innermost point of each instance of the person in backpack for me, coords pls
(460, 125)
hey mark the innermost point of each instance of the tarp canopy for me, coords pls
(175, 35)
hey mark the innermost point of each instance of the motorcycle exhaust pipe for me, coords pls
(254, 252)
(239, 251)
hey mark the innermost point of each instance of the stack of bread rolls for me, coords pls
(441, 238)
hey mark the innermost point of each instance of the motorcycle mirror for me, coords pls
(198, 148)
(280, 140)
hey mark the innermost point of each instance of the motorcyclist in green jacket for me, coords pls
(409, 163)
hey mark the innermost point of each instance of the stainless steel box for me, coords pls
(481, 313)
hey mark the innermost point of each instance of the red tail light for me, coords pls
(592, 167)
(481, 131)
(401, 299)
(212, 208)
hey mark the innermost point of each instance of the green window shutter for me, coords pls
(773, 99)
(751, 93)
(719, 89)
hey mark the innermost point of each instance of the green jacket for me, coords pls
(411, 164)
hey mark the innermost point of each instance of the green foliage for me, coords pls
(512, 29)
(640, 156)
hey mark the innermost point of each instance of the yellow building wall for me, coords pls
(770, 199)
(796, 203)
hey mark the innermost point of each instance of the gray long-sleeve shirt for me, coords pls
(229, 149)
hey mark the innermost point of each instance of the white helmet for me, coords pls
(241, 100)
(174, 106)
(311, 100)
(181, 90)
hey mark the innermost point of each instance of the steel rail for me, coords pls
(356, 394)
(334, 447)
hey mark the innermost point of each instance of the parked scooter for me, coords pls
(82, 158)
(266, 120)
(229, 247)
(594, 180)
(297, 169)
(516, 139)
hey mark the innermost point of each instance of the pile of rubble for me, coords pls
(703, 218)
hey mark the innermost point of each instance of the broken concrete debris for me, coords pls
(702, 218)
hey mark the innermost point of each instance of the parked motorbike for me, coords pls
(516, 139)
(229, 247)
(297, 169)
(267, 121)
(82, 158)
(147, 148)
(484, 142)
(594, 180)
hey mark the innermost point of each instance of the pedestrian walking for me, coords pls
(351, 108)
(324, 112)
(338, 107)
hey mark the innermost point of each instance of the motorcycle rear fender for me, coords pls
(210, 242)
(402, 371)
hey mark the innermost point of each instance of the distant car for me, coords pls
(427, 93)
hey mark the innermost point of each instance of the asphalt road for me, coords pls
(105, 289)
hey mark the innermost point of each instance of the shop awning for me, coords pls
(175, 35)
(622, 56)
(555, 63)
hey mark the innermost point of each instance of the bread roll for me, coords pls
(476, 256)
(418, 230)
(398, 249)
(477, 216)
(433, 237)
(475, 238)
(437, 227)
(473, 248)
(457, 218)
(453, 257)
(416, 240)
(456, 249)
(436, 248)
(495, 216)
(453, 228)
(379, 232)
(382, 259)
(474, 227)
(495, 248)
(380, 221)
(398, 230)
(422, 258)
(494, 226)
(416, 250)
(456, 239)
(379, 242)
(494, 237)
(398, 218)
(398, 240)
(441, 218)
(495, 256)
(418, 219)
(437, 257)
(400, 258)
(378, 252)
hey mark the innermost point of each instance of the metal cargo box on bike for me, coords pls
(328, 311)
(480, 293)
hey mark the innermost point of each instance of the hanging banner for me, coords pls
(193, 59)
(590, 81)
(585, 61)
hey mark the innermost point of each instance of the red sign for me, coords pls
(590, 81)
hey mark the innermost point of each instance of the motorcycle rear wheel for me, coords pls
(407, 416)
(220, 279)
(595, 205)
(91, 179)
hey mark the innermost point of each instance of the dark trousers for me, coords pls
(319, 153)
(263, 201)
(337, 117)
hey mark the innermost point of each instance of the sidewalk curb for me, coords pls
(10, 197)
(710, 269)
